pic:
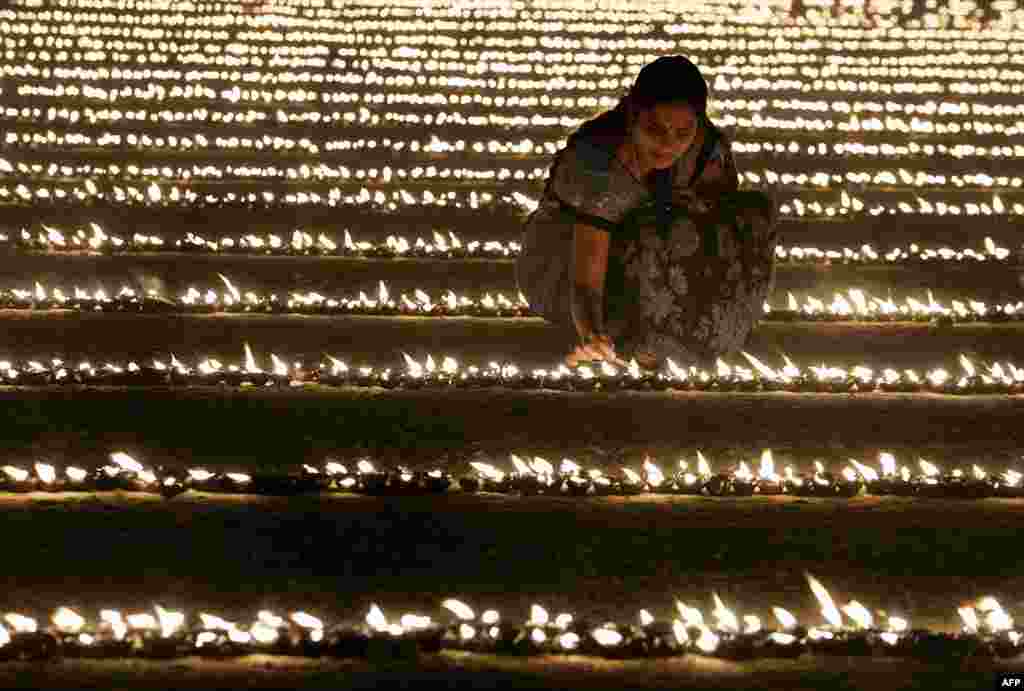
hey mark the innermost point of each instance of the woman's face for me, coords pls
(664, 132)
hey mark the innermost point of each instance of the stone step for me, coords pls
(381, 341)
(173, 273)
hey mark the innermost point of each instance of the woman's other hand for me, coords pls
(597, 347)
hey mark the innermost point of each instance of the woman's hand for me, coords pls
(597, 347)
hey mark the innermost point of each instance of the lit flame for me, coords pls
(250, 361)
(68, 620)
(860, 614)
(969, 618)
(866, 472)
(690, 615)
(784, 617)
(459, 609)
(653, 473)
(708, 641)
(169, 621)
(725, 617)
(306, 621)
(113, 619)
(828, 607)
(126, 462)
(538, 616)
(20, 623)
(679, 630)
(607, 637)
(767, 469)
(703, 467)
(46, 473)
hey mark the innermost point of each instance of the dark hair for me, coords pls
(669, 79)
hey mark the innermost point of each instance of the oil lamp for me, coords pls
(573, 481)
(164, 636)
(369, 480)
(768, 481)
(743, 481)
(21, 640)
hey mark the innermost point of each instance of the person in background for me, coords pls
(642, 243)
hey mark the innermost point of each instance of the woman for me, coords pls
(642, 243)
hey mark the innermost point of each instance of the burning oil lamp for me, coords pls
(654, 479)
(490, 479)
(404, 639)
(822, 483)
(630, 482)
(131, 474)
(306, 634)
(929, 482)
(872, 482)
(602, 484)
(609, 378)
(236, 483)
(973, 485)
(743, 481)
(793, 483)
(202, 480)
(161, 637)
(463, 632)
(217, 637)
(968, 642)
(341, 479)
(536, 477)
(1009, 484)
(14, 479)
(435, 481)
(541, 633)
(848, 484)
(892, 481)
(734, 643)
(404, 481)
(270, 633)
(712, 484)
(659, 637)
(834, 638)
(77, 639)
(768, 481)
(687, 482)
(21, 640)
(369, 479)
(575, 483)
(172, 483)
(690, 628)
(612, 641)
(335, 375)
(1000, 633)
(77, 479)
(787, 642)
(47, 478)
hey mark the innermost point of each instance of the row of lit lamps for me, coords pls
(855, 304)
(392, 201)
(525, 147)
(996, 378)
(901, 178)
(986, 630)
(447, 245)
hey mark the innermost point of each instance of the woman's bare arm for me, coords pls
(589, 267)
